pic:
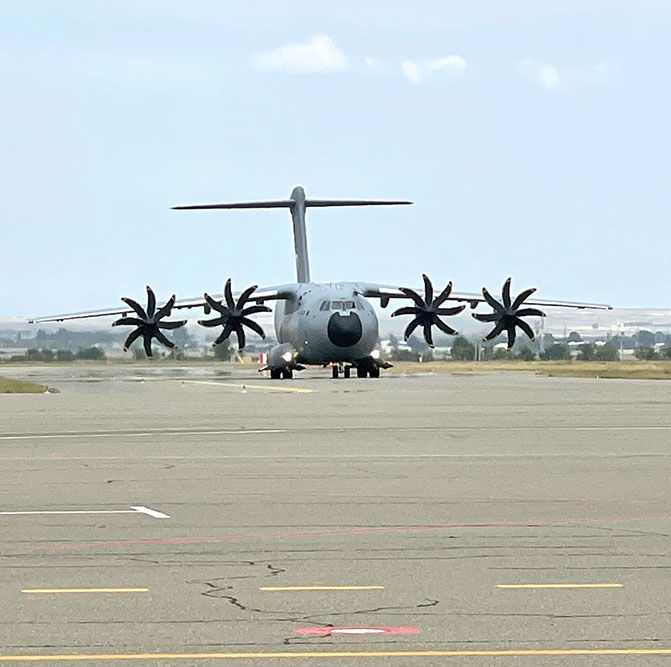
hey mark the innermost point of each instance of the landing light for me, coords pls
(287, 356)
(375, 354)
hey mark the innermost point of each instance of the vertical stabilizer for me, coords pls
(300, 235)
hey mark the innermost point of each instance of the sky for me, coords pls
(533, 137)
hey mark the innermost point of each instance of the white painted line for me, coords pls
(150, 512)
(137, 509)
(261, 387)
(136, 434)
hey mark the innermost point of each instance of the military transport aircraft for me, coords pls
(322, 324)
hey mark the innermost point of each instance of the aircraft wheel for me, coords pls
(287, 374)
(361, 372)
(335, 372)
(346, 372)
(374, 372)
(275, 374)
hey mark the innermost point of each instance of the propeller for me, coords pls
(508, 315)
(148, 322)
(427, 311)
(234, 316)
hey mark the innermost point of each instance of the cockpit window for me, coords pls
(342, 305)
(325, 305)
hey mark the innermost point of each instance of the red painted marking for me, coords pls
(329, 630)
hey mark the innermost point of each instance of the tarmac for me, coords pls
(203, 516)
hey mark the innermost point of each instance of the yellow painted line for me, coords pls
(261, 387)
(335, 654)
(512, 586)
(84, 590)
(321, 588)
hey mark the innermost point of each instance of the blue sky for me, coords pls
(533, 137)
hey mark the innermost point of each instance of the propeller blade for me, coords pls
(151, 302)
(218, 321)
(242, 300)
(486, 317)
(228, 330)
(428, 289)
(132, 337)
(406, 310)
(451, 311)
(495, 331)
(522, 297)
(161, 338)
(135, 306)
(526, 328)
(428, 337)
(214, 304)
(506, 293)
(411, 327)
(240, 333)
(445, 328)
(228, 293)
(147, 344)
(252, 310)
(530, 312)
(442, 297)
(172, 325)
(413, 295)
(512, 335)
(167, 308)
(491, 300)
(128, 322)
(253, 326)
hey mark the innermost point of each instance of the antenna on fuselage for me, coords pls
(297, 203)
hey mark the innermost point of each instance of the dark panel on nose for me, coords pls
(345, 330)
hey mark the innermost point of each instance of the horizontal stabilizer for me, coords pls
(282, 203)
(352, 202)
(289, 203)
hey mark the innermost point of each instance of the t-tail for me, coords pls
(297, 203)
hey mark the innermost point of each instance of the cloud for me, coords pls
(415, 71)
(318, 54)
(546, 76)
(455, 63)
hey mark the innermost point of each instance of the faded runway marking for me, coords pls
(258, 387)
(321, 588)
(533, 586)
(50, 591)
(295, 655)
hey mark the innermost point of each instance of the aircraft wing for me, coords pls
(259, 296)
(387, 292)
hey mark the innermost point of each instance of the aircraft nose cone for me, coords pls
(344, 330)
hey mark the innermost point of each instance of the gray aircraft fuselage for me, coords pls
(327, 323)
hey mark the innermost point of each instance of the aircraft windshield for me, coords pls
(342, 305)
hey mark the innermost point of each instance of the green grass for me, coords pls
(20, 387)
(637, 370)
